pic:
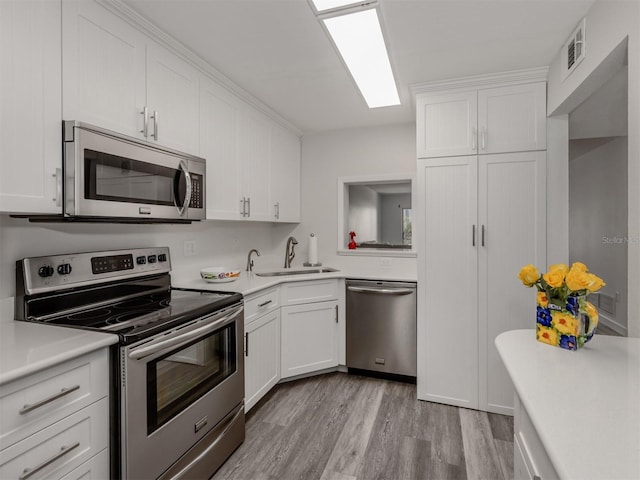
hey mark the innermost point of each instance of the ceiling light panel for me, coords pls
(359, 40)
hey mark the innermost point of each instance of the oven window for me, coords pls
(178, 379)
(119, 179)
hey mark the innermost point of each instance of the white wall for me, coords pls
(598, 215)
(609, 24)
(217, 243)
(391, 206)
(327, 156)
(363, 213)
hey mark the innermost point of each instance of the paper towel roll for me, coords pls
(313, 249)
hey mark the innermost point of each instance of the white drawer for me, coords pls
(70, 386)
(61, 447)
(260, 303)
(310, 292)
(96, 468)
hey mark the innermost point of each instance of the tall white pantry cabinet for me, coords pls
(481, 146)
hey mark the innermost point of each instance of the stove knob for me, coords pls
(45, 271)
(64, 269)
(162, 257)
(141, 260)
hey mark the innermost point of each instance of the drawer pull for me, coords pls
(27, 472)
(264, 304)
(61, 393)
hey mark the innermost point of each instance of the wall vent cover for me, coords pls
(574, 50)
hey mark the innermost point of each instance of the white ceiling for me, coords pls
(277, 50)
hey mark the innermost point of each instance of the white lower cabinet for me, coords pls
(262, 357)
(530, 459)
(97, 468)
(57, 421)
(309, 338)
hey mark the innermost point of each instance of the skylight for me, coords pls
(324, 5)
(358, 37)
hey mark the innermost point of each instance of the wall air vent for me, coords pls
(574, 50)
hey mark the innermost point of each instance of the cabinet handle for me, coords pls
(248, 206)
(277, 207)
(336, 313)
(474, 139)
(473, 235)
(483, 235)
(264, 304)
(155, 125)
(483, 138)
(58, 177)
(145, 122)
(246, 344)
(28, 472)
(65, 391)
(243, 208)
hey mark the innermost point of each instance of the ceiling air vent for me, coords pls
(573, 51)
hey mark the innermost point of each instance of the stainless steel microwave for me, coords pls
(112, 176)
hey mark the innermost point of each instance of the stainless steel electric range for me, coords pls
(178, 370)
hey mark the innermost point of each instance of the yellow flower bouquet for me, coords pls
(564, 317)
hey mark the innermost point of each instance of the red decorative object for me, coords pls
(352, 244)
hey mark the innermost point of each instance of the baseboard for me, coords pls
(612, 324)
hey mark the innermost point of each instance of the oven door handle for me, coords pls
(184, 338)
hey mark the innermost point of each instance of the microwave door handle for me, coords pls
(187, 195)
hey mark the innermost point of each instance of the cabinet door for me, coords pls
(512, 213)
(446, 124)
(173, 100)
(255, 138)
(284, 174)
(512, 119)
(447, 283)
(219, 126)
(262, 357)
(30, 106)
(103, 68)
(309, 338)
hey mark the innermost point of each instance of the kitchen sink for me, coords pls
(306, 271)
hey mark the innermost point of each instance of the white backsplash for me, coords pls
(216, 243)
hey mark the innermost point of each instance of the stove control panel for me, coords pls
(43, 274)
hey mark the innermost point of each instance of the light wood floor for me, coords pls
(344, 427)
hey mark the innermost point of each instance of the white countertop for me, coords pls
(26, 348)
(249, 283)
(584, 405)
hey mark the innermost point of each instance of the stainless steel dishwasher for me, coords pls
(381, 327)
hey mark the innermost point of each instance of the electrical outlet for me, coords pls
(385, 262)
(189, 247)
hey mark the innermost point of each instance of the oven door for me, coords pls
(177, 387)
(108, 175)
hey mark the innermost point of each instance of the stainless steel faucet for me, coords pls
(289, 254)
(249, 261)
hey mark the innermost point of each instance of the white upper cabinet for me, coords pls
(104, 69)
(30, 106)
(513, 118)
(255, 135)
(117, 78)
(508, 118)
(284, 185)
(447, 124)
(172, 100)
(219, 138)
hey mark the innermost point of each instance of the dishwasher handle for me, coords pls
(383, 291)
